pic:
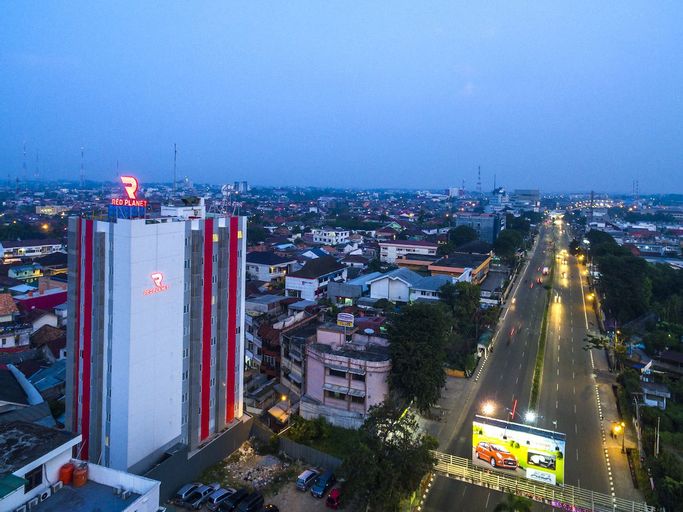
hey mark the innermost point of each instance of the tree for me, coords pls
(461, 235)
(514, 503)
(506, 244)
(390, 459)
(417, 343)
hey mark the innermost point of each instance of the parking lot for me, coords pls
(273, 477)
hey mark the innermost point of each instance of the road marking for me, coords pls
(517, 379)
(557, 386)
(464, 490)
(576, 428)
(577, 454)
(585, 316)
(487, 500)
(574, 408)
(558, 371)
(557, 404)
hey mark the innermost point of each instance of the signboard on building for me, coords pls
(517, 449)
(345, 319)
(130, 184)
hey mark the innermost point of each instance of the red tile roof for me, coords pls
(7, 305)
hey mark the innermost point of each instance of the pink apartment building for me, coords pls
(346, 373)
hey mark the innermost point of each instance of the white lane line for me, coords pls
(558, 371)
(517, 379)
(557, 404)
(488, 496)
(576, 428)
(585, 316)
(557, 386)
(577, 454)
(574, 408)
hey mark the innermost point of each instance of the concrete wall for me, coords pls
(148, 334)
(179, 468)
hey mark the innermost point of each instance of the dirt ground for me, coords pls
(275, 478)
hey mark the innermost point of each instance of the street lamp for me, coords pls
(488, 408)
(285, 398)
(623, 436)
(530, 416)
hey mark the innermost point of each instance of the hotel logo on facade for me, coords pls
(159, 286)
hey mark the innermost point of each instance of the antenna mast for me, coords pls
(479, 180)
(175, 162)
(82, 168)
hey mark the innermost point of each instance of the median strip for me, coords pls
(540, 355)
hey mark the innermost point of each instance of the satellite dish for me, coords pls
(369, 331)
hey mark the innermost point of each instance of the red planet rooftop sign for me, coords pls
(130, 184)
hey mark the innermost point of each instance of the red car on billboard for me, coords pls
(496, 455)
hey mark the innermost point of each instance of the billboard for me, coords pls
(519, 450)
(345, 319)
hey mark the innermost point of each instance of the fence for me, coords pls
(309, 455)
(565, 497)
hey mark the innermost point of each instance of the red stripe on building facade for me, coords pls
(77, 329)
(87, 337)
(206, 329)
(232, 319)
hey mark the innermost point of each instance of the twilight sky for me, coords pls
(556, 95)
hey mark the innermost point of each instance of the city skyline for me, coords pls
(347, 96)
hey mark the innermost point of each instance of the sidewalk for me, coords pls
(617, 462)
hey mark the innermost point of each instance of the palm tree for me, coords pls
(514, 503)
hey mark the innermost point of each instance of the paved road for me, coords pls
(506, 376)
(568, 393)
(567, 401)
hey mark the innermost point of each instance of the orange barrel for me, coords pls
(66, 473)
(80, 475)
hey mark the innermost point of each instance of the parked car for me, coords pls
(333, 500)
(306, 479)
(185, 491)
(197, 498)
(322, 484)
(496, 455)
(231, 502)
(251, 503)
(217, 497)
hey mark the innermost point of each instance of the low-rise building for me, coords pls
(394, 286)
(268, 267)
(27, 273)
(31, 457)
(18, 249)
(390, 251)
(463, 266)
(330, 236)
(347, 293)
(13, 332)
(346, 374)
(311, 281)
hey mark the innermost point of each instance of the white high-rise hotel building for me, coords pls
(155, 339)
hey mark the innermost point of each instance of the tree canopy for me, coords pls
(514, 503)
(507, 243)
(417, 343)
(461, 235)
(390, 459)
